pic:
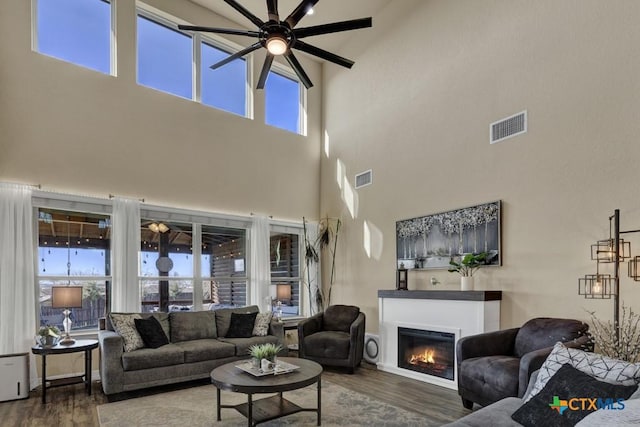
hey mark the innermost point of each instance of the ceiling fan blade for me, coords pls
(250, 16)
(293, 61)
(300, 12)
(272, 9)
(320, 53)
(236, 55)
(268, 60)
(334, 27)
(219, 30)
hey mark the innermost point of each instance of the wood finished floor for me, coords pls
(70, 406)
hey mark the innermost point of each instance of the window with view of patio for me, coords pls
(224, 266)
(74, 249)
(171, 263)
(285, 273)
(166, 266)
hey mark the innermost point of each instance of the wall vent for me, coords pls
(508, 128)
(363, 179)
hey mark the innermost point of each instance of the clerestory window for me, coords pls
(75, 31)
(284, 102)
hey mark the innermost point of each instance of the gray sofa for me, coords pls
(197, 345)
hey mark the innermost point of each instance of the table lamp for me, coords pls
(283, 293)
(66, 297)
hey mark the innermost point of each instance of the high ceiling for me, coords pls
(325, 12)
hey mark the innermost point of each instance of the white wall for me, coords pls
(72, 129)
(416, 108)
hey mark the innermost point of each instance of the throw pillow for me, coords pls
(261, 327)
(151, 332)
(613, 371)
(568, 397)
(241, 325)
(630, 416)
(124, 325)
(223, 317)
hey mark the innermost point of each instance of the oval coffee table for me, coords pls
(229, 377)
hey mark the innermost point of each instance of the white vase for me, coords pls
(466, 283)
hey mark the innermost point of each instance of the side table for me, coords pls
(80, 345)
(290, 324)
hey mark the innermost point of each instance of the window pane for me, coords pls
(282, 102)
(76, 31)
(223, 252)
(164, 58)
(174, 243)
(150, 295)
(73, 243)
(180, 294)
(224, 88)
(284, 255)
(93, 304)
(226, 292)
(288, 294)
(285, 273)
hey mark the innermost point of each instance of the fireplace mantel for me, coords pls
(443, 295)
(461, 313)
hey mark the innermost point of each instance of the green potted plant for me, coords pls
(267, 351)
(48, 336)
(468, 265)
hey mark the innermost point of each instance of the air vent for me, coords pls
(508, 128)
(363, 179)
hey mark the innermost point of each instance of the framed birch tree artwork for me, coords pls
(432, 241)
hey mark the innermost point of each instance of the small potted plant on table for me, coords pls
(260, 352)
(466, 267)
(48, 336)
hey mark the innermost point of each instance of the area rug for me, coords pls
(196, 407)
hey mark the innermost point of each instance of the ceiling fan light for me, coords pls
(277, 45)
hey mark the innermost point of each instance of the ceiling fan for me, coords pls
(280, 37)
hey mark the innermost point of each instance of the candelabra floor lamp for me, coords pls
(613, 250)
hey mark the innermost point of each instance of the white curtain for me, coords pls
(18, 300)
(125, 244)
(260, 262)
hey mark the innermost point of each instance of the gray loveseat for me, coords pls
(197, 345)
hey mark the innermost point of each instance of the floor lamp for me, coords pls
(612, 250)
(66, 297)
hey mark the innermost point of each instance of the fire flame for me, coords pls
(426, 357)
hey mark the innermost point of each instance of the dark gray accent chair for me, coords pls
(334, 337)
(495, 365)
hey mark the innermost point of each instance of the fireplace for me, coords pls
(427, 352)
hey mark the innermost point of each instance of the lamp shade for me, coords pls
(66, 296)
(283, 292)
